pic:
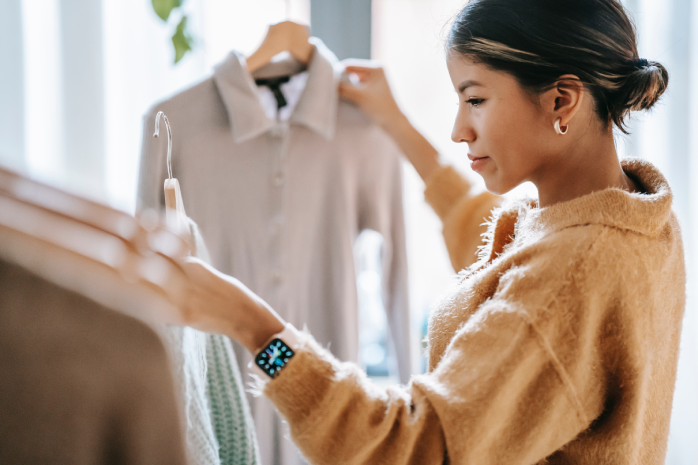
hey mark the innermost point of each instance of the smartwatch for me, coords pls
(274, 357)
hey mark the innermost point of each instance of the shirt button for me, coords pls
(276, 227)
(278, 131)
(279, 179)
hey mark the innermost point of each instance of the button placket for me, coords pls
(279, 135)
(278, 178)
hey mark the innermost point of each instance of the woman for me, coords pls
(560, 344)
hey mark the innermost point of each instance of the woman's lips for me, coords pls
(477, 163)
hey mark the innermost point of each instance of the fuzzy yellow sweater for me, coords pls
(558, 346)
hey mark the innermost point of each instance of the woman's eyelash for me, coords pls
(475, 101)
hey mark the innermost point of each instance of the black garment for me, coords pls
(274, 84)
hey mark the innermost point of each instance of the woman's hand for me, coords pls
(221, 304)
(372, 94)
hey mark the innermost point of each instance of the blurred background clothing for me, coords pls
(81, 383)
(78, 76)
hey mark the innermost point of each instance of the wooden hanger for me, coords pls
(286, 36)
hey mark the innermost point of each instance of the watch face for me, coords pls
(274, 357)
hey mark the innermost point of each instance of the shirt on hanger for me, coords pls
(280, 203)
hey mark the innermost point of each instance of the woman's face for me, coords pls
(509, 137)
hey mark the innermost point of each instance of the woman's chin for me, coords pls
(493, 185)
(497, 186)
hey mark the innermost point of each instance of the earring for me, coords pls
(557, 127)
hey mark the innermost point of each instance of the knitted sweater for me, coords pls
(559, 345)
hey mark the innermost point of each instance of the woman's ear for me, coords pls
(564, 99)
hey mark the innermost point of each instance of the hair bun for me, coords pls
(645, 85)
(641, 63)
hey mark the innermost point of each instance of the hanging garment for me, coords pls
(280, 203)
(187, 349)
(219, 428)
(80, 383)
(225, 393)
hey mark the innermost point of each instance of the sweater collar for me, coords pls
(643, 213)
(316, 109)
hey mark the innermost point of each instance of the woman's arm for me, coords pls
(500, 392)
(462, 211)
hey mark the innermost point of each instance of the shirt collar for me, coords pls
(316, 109)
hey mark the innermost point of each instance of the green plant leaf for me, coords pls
(163, 8)
(181, 40)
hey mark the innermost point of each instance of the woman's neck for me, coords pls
(587, 166)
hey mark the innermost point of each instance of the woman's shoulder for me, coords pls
(589, 262)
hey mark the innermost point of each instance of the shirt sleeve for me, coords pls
(499, 394)
(381, 209)
(464, 214)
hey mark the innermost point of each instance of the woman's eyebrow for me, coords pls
(467, 83)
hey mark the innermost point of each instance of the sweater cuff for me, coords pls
(305, 381)
(443, 190)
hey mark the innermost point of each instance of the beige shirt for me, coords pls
(559, 346)
(280, 204)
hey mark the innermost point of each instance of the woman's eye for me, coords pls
(475, 101)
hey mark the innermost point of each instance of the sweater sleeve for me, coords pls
(462, 212)
(499, 394)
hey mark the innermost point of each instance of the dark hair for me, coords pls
(537, 41)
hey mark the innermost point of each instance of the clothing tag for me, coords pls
(274, 84)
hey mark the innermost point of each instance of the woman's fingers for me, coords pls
(350, 91)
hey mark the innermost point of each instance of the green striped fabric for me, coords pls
(230, 412)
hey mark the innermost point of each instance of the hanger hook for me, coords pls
(169, 140)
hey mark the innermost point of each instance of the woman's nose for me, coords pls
(462, 131)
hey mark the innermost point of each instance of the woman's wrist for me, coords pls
(394, 122)
(265, 326)
(417, 149)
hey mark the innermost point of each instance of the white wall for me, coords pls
(11, 85)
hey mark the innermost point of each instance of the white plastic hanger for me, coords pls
(175, 215)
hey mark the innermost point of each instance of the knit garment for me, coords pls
(225, 392)
(230, 412)
(558, 346)
(219, 428)
(187, 348)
